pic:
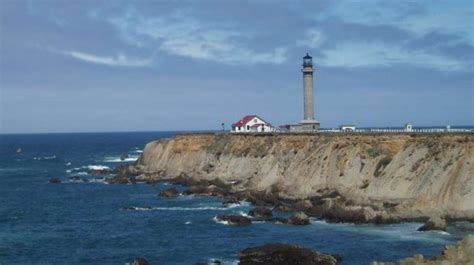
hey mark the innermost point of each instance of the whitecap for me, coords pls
(243, 214)
(97, 167)
(233, 205)
(49, 157)
(177, 208)
(68, 163)
(187, 223)
(98, 180)
(119, 160)
(220, 221)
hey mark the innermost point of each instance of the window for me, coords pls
(248, 127)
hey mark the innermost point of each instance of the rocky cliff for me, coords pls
(402, 175)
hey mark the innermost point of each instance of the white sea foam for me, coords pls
(233, 205)
(44, 158)
(68, 163)
(444, 233)
(119, 160)
(98, 180)
(243, 214)
(81, 173)
(177, 208)
(220, 221)
(142, 208)
(97, 167)
(188, 223)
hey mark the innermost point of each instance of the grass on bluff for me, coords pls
(219, 144)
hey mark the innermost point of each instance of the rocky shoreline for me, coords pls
(328, 205)
(352, 179)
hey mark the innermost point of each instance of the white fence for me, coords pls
(400, 130)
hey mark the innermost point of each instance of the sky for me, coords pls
(98, 66)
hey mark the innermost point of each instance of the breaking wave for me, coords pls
(44, 158)
(119, 160)
(220, 221)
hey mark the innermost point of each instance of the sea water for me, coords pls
(95, 223)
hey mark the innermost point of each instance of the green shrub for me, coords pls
(218, 146)
(373, 152)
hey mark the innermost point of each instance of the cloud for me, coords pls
(380, 54)
(447, 17)
(313, 38)
(384, 34)
(119, 60)
(179, 34)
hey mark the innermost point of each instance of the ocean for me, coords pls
(87, 222)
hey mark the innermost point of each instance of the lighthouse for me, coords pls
(309, 123)
(308, 89)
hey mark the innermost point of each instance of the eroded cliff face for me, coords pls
(430, 173)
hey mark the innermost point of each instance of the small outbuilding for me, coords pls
(252, 123)
(347, 128)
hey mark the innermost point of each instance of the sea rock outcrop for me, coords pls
(434, 223)
(237, 220)
(299, 218)
(260, 212)
(283, 254)
(169, 193)
(55, 181)
(378, 178)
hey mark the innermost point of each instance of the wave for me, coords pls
(98, 180)
(243, 214)
(97, 167)
(45, 158)
(68, 163)
(135, 208)
(188, 223)
(177, 208)
(220, 221)
(119, 160)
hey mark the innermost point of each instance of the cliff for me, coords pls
(404, 175)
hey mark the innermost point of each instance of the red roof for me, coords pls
(244, 120)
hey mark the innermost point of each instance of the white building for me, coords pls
(347, 128)
(408, 127)
(252, 123)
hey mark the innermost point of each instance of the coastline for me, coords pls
(340, 178)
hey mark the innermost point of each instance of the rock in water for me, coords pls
(230, 202)
(283, 254)
(123, 157)
(169, 193)
(261, 212)
(299, 218)
(434, 223)
(55, 180)
(234, 219)
(139, 261)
